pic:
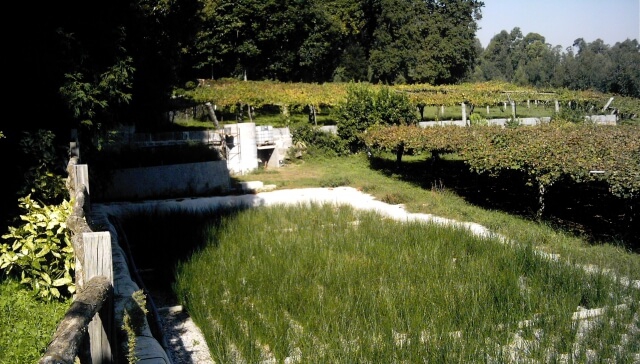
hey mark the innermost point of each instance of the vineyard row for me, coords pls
(229, 93)
(546, 154)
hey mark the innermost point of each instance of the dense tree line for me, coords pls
(385, 41)
(528, 60)
(94, 64)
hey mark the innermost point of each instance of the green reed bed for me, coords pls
(324, 284)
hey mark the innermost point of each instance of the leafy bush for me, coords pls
(392, 107)
(477, 119)
(317, 141)
(365, 107)
(571, 113)
(512, 123)
(40, 251)
(42, 175)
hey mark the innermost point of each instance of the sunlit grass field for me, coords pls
(327, 284)
(440, 200)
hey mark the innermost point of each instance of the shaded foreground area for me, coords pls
(584, 209)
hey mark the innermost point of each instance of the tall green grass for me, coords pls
(441, 200)
(325, 284)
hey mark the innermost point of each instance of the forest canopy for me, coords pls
(102, 62)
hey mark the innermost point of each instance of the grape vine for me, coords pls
(228, 93)
(546, 154)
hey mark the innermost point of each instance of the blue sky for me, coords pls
(563, 21)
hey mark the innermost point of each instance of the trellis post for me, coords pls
(464, 113)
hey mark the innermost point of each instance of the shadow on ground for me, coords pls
(585, 209)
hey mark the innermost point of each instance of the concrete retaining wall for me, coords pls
(501, 122)
(603, 119)
(178, 180)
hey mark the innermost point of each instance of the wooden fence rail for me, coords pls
(88, 331)
(69, 340)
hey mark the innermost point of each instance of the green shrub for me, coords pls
(571, 113)
(477, 119)
(365, 107)
(318, 142)
(392, 107)
(40, 252)
(512, 123)
(43, 174)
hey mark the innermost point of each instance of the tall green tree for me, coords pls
(288, 41)
(388, 41)
(498, 61)
(592, 65)
(357, 21)
(454, 54)
(399, 25)
(529, 60)
(537, 61)
(417, 41)
(624, 76)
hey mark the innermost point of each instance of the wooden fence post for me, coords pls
(606, 106)
(102, 331)
(74, 149)
(81, 176)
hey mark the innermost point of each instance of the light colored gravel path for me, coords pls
(184, 338)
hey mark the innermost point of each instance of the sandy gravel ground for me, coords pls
(184, 339)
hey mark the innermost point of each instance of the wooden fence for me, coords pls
(86, 331)
(89, 330)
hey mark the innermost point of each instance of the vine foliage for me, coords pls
(546, 154)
